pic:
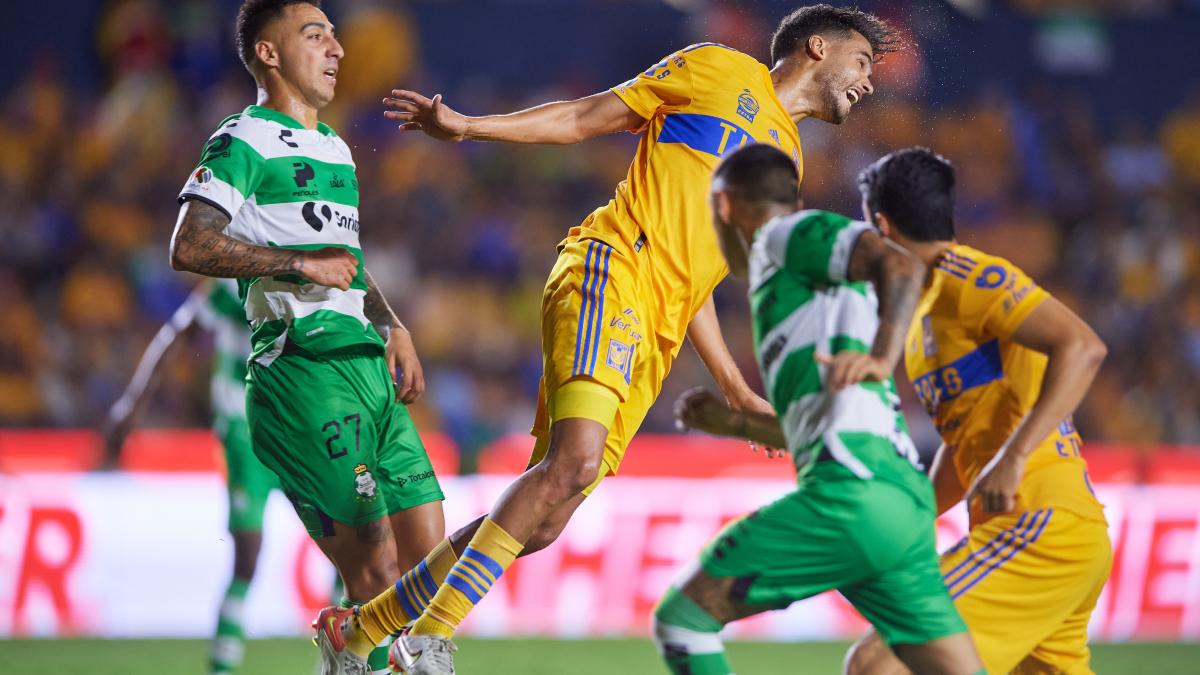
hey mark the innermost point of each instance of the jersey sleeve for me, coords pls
(815, 245)
(666, 84)
(998, 297)
(229, 172)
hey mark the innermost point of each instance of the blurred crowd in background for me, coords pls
(1105, 213)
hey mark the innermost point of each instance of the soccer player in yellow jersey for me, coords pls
(1001, 366)
(631, 282)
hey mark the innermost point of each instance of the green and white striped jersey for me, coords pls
(287, 186)
(802, 303)
(223, 316)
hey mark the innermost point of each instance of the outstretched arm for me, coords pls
(1074, 354)
(122, 416)
(897, 277)
(401, 354)
(557, 123)
(704, 332)
(700, 409)
(199, 244)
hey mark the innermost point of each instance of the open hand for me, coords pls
(752, 402)
(418, 113)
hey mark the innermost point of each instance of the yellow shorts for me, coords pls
(1026, 584)
(597, 326)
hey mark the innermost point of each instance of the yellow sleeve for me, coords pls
(998, 297)
(666, 84)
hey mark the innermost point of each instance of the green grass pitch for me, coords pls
(503, 657)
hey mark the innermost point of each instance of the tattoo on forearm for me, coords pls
(375, 306)
(202, 246)
(898, 291)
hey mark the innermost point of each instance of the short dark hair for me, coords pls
(253, 17)
(914, 188)
(795, 29)
(760, 173)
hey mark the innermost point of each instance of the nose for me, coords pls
(867, 87)
(335, 48)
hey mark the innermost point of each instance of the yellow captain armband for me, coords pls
(583, 398)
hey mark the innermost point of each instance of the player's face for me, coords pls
(844, 77)
(308, 52)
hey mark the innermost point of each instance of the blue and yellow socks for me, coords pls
(402, 603)
(490, 552)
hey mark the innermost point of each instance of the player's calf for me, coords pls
(869, 656)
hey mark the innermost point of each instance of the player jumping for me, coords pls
(830, 303)
(630, 283)
(274, 204)
(1001, 366)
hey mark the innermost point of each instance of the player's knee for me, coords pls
(571, 475)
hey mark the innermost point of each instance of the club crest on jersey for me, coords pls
(364, 483)
(620, 357)
(747, 106)
(202, 175)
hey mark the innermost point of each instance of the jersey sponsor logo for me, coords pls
(414, 478)
(218, 147)
(747, 106)
(979, 367)
(317, 219)
(284, 135)
(704, 133)
(304, 173)
(202, 175)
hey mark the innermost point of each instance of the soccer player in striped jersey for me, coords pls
(214, 306)
(274, 204)
(1000, 366)
(631, 282)
(830, 303)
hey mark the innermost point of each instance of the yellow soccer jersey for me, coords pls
(699, 103)
(978, 384)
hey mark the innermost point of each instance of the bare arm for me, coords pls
(704, 332)
(401, 354)
(122, 416)
(699, 409)
(200, 245)
(557, 123)
(947, 489)
(898, 278)
(1074, 354)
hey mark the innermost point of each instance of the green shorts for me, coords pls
(330, 427)
(870, 540)
(248, 481)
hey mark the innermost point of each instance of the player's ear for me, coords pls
(884, 225)
(267, 53)
(722, 206)
(814, 48)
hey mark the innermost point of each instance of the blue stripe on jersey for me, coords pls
(958, 265)
(1012, 552)
(587, 312)
(978, 367)
(587, 271)
(591, 370)
(960, 259)
(704, 133)
(951, 271)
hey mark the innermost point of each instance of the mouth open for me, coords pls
(853, 96)
(331, 75)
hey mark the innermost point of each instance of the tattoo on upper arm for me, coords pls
(201, 241)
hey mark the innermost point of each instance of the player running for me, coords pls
(274, 204)
(214, 306)
(1001, 366)
(630, 282)
(861, 520)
